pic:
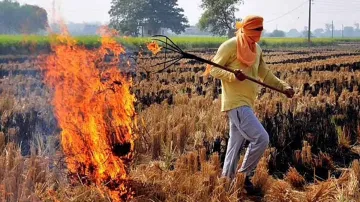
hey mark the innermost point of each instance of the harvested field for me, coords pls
(181, 134)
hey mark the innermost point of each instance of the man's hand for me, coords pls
(239, 75)
(289, 92)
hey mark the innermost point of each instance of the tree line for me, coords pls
(21, 19)
(131, 18)
(149, 17)
(327, 32)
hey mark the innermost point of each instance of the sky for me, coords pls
(280, 14)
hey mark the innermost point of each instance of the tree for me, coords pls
(277, 33)
(34, 19)
(16, 18)
(128, 15)
(357, 25)
(319, 32)
(349, 31)
(264, 33)
(294, 33)
(357, 29)
(305, 32)
(328, 30)
(219, 16)
(328, 27)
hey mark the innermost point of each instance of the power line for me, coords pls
(337, 3)
(337, 6)
(333, 12)
(287, 12)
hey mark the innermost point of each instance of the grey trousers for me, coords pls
(244, 125)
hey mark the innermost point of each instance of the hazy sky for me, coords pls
(344, 12)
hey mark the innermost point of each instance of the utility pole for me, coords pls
(309, 27)
(342, 31)
(332, 29)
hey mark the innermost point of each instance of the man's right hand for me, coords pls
(239, 75)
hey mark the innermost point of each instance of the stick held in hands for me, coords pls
(171, 46)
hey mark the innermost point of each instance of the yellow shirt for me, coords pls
(237, 93)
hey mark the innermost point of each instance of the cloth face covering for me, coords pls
(247, 36)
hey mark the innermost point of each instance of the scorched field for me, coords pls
(170, 145)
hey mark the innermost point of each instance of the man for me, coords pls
(243, 54)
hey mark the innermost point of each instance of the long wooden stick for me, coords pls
(191, 56)
(177, 49)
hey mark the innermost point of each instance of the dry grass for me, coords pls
(294, 178)
(191, 180)
(349, 189)
(171, 163)
(21, 176)
(261, 178)
(323, 192)
(344, 137)
(281, 191)
(185, 183)
(356, 168)
(38, 177)
(306, 154)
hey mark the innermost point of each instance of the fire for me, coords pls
(95, 111)
(154, 47)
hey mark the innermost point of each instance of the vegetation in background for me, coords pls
(26, 19)
(277, 33)
(21, 44)
(219, 16)
(152, 15)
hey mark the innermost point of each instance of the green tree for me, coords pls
(219, 16)
(33, 18)
(319, 32)
(16, 18)
(128, 15)
(305, 32)
(277, 33)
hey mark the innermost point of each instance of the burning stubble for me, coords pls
(94, 108)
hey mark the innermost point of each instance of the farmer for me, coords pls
(244, 55)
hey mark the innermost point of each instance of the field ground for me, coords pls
(314, 138)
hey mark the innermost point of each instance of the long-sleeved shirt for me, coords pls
(237, 93)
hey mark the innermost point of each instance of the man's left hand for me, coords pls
(289, 92)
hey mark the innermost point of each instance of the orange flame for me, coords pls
(94, 108)
(154, 47)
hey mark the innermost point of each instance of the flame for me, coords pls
(94, 108)
(154, 47)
